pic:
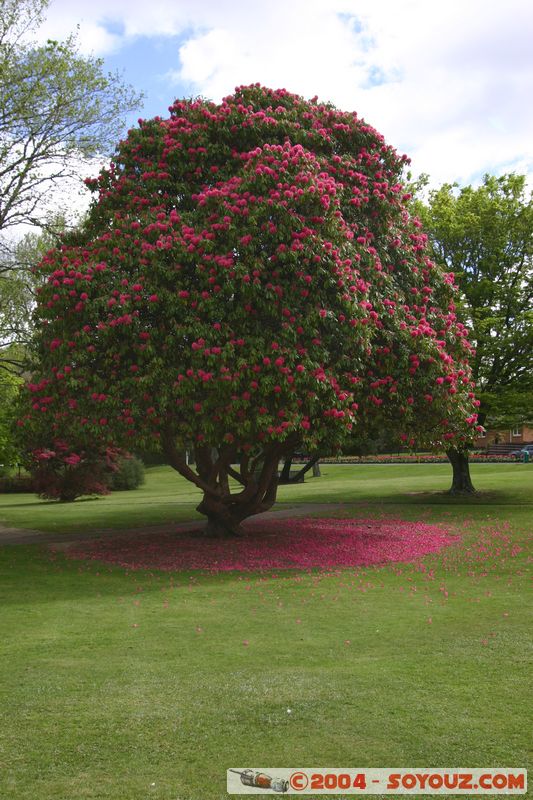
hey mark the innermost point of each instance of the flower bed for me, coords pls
(414, 458)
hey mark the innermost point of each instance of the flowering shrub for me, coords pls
(276, 544)
(66, 483)
(249, 282)
(61, 474)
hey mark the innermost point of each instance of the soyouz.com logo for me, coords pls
(241, 780)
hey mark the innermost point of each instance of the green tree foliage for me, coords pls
(9, 388)
(57, 110)
(485, 235)
(56, 107)
(18, 283)
(249, 282)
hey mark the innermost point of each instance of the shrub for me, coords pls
(129, 474)
(12, 484)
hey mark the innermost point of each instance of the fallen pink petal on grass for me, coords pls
(274, 544)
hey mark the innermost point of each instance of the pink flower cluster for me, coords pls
(275, 544)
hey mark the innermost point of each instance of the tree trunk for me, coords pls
(222, 519)
(225, 514)
(218, 527)
(461, 481)
(225, 508)
(285, 474)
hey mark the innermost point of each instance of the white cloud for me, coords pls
(448, 83)
(207, 55)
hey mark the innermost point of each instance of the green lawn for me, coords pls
(167, 497)
(121, 686)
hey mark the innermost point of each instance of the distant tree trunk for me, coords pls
(285, 474)
(461, 481)
(226, 509)
(310, 464)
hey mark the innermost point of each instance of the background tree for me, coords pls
(9, 387)
(485, 235)
(18, 283)
(58, 110)
(248, 279)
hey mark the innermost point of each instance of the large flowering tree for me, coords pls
(249, 282)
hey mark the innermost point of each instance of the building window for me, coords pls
(482, 434)
(516, 432)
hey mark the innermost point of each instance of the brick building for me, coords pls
(519, 436)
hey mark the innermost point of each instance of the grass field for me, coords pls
(126, 686)
(167, 497)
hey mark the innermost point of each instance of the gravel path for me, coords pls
(10, 536)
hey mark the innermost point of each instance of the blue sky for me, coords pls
(146, 63)
(448, 84)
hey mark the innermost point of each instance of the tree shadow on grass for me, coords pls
(38, 503)
(53, 577)
(480, 498)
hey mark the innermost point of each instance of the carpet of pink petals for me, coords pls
(297, 543)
